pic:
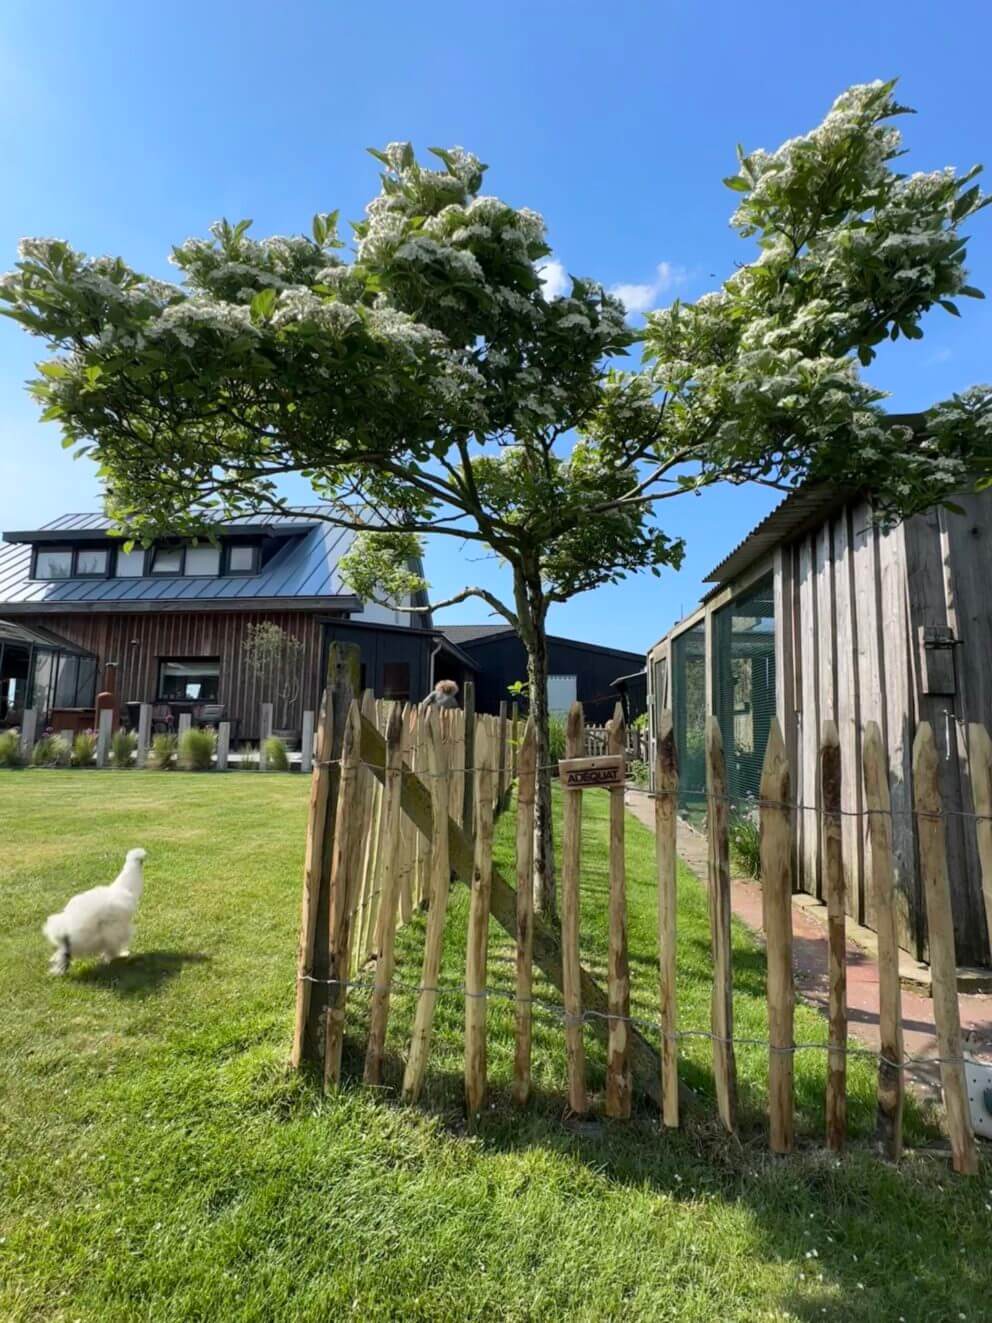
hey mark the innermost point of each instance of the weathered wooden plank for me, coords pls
(440, 878)
(618, 1099)
(900, 715)
(385, 938)
(831, 795)
(848, 710)
(571, 867)
(478, 928)
(526, 791)
(785, 672)
(665, 824)
(776, 882)
(503, 758)
(871, 677)
(980, 758)
(890, 1076)
(809, 726)
(722, 1007)
(943, 965)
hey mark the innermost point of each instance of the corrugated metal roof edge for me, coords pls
(806, 505)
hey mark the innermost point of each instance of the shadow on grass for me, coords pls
(139, 975)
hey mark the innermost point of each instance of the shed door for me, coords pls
(561, 692)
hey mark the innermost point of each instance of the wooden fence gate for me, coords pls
(403, 802)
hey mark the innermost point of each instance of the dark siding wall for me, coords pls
(380, 648)
(503, 660)
(137, 641)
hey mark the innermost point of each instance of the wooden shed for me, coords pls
(821, 613)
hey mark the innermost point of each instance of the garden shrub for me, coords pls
(10, 749)
(248, 759)
(196, 749)
(745, 843)
(84, 748)
(163, 752)
(51, 751)
(123, 746)
(276, 757)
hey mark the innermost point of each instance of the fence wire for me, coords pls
(556, 1011)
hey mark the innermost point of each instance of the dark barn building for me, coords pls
(583, 671)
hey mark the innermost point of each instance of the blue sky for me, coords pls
(125, 128)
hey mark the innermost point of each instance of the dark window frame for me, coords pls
(72, 551)
(161, 697)
(200, 574)
(145, 553)
(153, 573)
(256, 556)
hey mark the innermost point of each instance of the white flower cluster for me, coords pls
(300, 306)
(200, 313)
(402, 333)
(40, 250)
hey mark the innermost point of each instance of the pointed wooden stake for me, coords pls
(878, 805)
(388, 901)
(833, 885)
(666, 823)
(571, 864)
(618, 964)
(722, 1010)
(526, 790)
(943, 963)
(776, 882)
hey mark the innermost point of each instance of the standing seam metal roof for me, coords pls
(306, 567)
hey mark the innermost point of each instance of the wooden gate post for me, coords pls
(878, 804)
(943, 963)
(776, 882)
(503, 764)
(722, 1010)
(571, 863)
(666, 825)
(144, 734)
(392, 815)
(833, 885)
(526, 791)
(440, 880)
(478, 931)
(618, 964)
(345, 864)
(314, 958)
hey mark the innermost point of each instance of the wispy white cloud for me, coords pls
(642, 298)
(940, 356)
(554, 277)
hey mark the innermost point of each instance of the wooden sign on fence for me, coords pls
(604, 772)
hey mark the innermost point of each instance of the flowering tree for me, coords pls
(430, 386)
(275, 658)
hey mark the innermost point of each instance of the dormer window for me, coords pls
(203, 560)
(91, 562)
(130, 564)
(53, 563)
(242, 558)
(167, 560)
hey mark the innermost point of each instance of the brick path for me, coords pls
(809, 961)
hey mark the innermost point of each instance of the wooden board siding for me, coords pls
(137, 641)
(861, 596)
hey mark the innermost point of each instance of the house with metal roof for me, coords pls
(822, 614)
(81, 613)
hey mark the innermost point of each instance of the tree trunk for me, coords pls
(532, 610)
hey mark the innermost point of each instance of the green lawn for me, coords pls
(157, 1162)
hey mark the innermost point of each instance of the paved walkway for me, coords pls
(809, 960)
